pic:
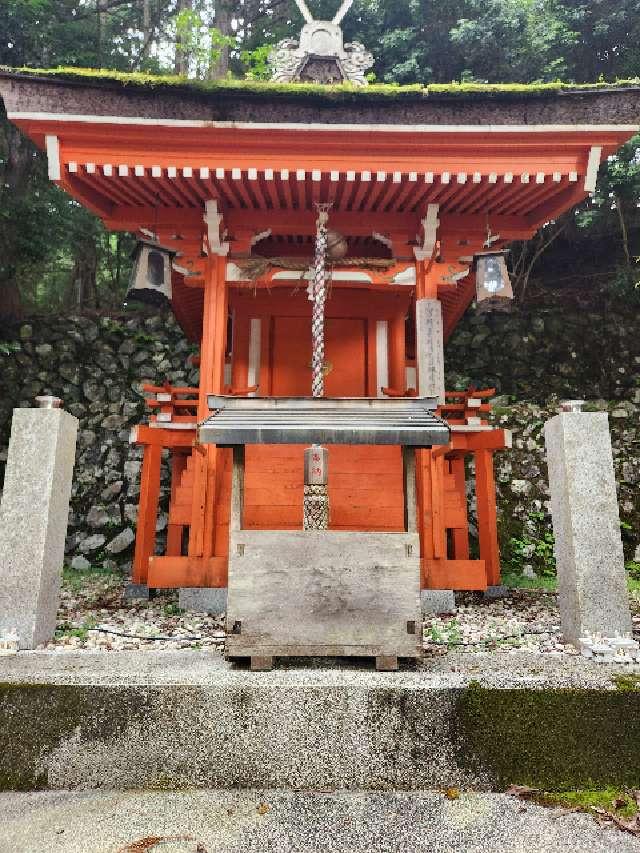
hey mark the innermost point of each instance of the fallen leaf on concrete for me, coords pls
(452, 794)
(156, 841)
(141, 845)
(263, 808)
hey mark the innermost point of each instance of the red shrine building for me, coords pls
(419, 184)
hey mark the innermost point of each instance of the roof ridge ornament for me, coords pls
(337, 18)
(320, 56)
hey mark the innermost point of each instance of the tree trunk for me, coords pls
(17, 163)
(220, 69)
(623, 229)
(181, 55)
(147, 29)
(10, 301)
(98, 35)
(82, 291)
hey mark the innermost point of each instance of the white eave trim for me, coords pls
(53, 157)
(593, 164)
(352, 128)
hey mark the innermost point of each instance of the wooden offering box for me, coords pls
(308, 592)
(323, 592)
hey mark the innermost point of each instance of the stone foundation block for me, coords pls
(133, 591)
(493, 593)
(434, 601)
(203, 599)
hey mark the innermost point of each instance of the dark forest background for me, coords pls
(55, 256)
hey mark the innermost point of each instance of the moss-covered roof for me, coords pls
(336, 93)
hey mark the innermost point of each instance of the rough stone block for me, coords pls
(493, 593)
(592, 591)
(203, 599)
(33, 521)
(434, 601)
(136, 590)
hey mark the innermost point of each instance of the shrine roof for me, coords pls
(105, 92)
(190, 160)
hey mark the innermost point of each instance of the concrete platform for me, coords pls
(188, 719)
(294, 822)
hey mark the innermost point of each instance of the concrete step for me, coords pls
(188, 719)
(294, 822)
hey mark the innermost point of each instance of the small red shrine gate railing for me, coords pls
(441, 475)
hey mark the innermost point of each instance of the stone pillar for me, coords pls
(430, 348)
(592, 591)
(33, 521)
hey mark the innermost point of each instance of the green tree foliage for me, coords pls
(526, 41)
(54, 254)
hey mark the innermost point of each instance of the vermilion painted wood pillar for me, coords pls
(147, 512)
(460, 534)
(214, 325)
(174, 531)
(397, 353)
(487, 515)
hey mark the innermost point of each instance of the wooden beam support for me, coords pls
(212, 350)
(301, 222)
(174, 572)
(551, 209)
(487, 515)
(460, 534)
(454, 574)
(159, 437)
(147, 512)
(397, 354)
(490, 439)
(175, 531)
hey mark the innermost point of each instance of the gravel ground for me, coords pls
(93, 616)
(294, 822)
(526, 621)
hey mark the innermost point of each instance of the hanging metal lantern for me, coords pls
(151, 274)
(493, 284)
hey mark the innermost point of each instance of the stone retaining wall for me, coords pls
(98, 366)
(533, 357)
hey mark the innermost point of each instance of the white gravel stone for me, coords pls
(94, 617)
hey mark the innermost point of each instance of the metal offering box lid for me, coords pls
(407, 421)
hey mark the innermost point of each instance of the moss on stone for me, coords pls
(344, 92)
(37, 718)
(627, 682)
(552, 739)
(613, 800)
